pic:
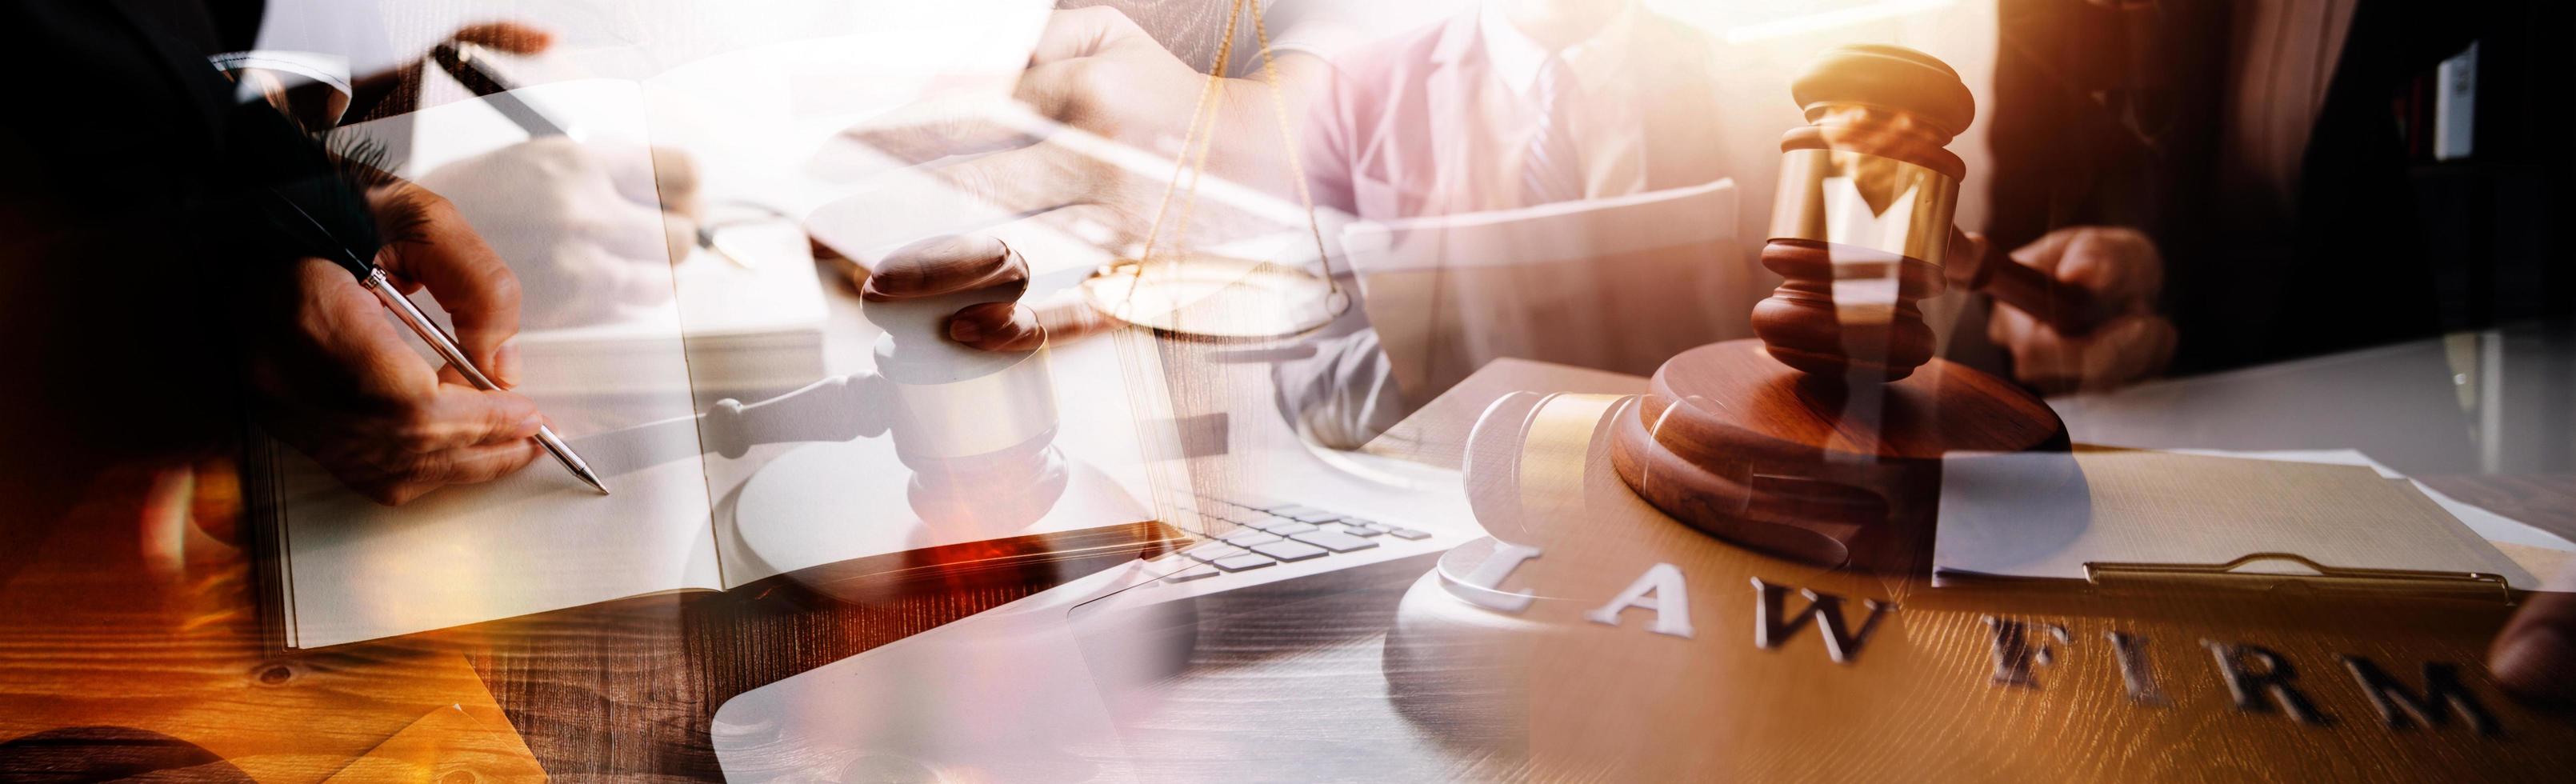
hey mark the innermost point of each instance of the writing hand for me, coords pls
(332, 375)
(2125, 273)
(1095, 71)
(397, 90)
(589, 228)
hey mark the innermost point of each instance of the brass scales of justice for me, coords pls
(1211, 296)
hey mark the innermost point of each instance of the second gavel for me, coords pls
(1861, 229)
(1823, 440)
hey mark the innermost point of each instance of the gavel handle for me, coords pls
(2070, 309)
(840, 408)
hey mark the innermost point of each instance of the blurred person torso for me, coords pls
(1504, 107)
(1441, 121)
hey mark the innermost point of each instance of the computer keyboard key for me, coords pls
(1195, 572)
(1361, 531)
(1312, 516)
(1212, 551)
(1205, 544)
(1406, 533)
(1287, 527)
(1348, 520)
(1249, 537)
(1245, 561)
(1289, 551)
(1335, 541)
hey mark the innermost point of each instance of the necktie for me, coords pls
(1552, 168)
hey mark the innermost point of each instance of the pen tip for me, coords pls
(582, 472)
(571, 462)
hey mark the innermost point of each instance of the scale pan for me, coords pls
(1216, 297)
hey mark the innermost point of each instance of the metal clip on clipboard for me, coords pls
(2326, 579)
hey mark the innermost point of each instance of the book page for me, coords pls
(538, 540)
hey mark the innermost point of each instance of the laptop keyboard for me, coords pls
(1269, 534)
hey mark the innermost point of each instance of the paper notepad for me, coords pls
(2034, 515)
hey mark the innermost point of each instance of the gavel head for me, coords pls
(913, 291)
(976, 427)
(1863, 212)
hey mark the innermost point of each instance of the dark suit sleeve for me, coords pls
(132, 157)
(2117, 114)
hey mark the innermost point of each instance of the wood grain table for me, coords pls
(627, 688)
(622, 690)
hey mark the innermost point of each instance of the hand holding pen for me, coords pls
(337, 380)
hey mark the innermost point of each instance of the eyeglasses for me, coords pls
(729, 222)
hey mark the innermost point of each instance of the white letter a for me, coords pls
(1660, 589)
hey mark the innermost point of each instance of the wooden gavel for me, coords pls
(1862, 222)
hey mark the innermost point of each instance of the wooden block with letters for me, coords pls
(1667, 654)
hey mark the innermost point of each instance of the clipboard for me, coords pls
(2410, 583)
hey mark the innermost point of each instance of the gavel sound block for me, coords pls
(1822, 439)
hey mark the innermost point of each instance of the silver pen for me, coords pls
(447, 349)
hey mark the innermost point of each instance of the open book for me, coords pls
(626, 384)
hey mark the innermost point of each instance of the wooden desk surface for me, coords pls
(623, 690)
